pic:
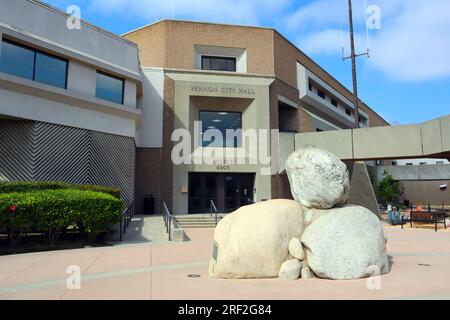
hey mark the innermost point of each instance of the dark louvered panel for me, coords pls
(62, 153)
(16, 150)
(32, 150)
(112, 162)
(361, 189)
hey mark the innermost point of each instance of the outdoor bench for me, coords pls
(427, 217)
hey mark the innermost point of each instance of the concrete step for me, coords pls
(197, 221)
(199, 226)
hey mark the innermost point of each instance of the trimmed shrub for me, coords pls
(27, 186)
(56, 210)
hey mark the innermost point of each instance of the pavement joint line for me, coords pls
(87, 269)
(97, 276)
(235, 290)
(25, 268)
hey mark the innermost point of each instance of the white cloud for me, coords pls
(416, 45)
(413, 44)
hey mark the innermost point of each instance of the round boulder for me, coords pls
(347, 244)
(290, 270)
(318, 178)
(296, 249)
(252, 242)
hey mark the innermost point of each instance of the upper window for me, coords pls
(321, 94)
(218, 63)
(215, 126)
(109, 88)
(32, 64)
(334, 102)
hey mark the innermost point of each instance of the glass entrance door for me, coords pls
(228, 191)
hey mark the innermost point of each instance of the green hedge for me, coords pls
(56, 210)
(27, 186)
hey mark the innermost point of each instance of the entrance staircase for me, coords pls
(198, 220)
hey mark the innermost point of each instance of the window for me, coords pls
(218, 63)
(320, 93)
(319, 130)
(50, 70)
(409, 164)
(32, 64)
(212, 121)
(348, 112)
(439, 162)
(334, 102)
(109, 88)
(423, 163)
(309, 86)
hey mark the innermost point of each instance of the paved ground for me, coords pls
(159, 270)
(145, 229)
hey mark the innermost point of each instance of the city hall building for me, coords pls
(87, 106)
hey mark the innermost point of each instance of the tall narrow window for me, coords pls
(32, 64)
(219, 63)
(321, 94)
(109, 88)
(334, 102)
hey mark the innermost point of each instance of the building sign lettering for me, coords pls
(224, 90)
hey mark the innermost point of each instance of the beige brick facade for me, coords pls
(171, 45)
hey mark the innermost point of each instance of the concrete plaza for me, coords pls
(159, 270)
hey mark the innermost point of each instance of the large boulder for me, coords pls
(253, 241)
(318, 178)
(347, 243)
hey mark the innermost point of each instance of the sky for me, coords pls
(406, 79)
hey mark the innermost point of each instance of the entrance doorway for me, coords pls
(228, 191)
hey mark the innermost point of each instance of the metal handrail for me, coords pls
(213, 210)
(167, 219)
(125, 220)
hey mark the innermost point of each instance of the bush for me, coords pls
(27, 186)
(390, 190)
(56, 210)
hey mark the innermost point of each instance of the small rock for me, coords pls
(290, 270)
(306, 272)
(296, 249)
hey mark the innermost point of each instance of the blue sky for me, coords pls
(406, 80)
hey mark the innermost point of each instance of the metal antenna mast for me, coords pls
(353, 57)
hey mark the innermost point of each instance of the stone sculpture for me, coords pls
(314, 236)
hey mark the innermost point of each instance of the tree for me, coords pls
(390, 189)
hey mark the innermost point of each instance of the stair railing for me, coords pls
(125, 219)
(213, 211)
(167, 219)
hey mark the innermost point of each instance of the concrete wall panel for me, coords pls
(386, 142)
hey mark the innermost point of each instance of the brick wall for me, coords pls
(148, 179)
